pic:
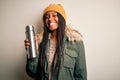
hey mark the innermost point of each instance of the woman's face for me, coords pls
(51, 20)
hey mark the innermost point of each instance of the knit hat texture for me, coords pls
(56, 7)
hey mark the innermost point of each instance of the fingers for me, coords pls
(26, 44)
(26, 40)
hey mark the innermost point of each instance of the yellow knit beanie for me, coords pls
(56, 7)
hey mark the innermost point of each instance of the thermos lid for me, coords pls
(29, 28)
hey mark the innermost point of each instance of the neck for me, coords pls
(54, 36)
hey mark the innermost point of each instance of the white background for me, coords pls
(97, 20)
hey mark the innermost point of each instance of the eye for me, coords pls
(46, 16)
(54, 14)
(49, 15)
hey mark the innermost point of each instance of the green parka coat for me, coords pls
(73, 65)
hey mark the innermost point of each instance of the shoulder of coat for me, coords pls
(72, 34)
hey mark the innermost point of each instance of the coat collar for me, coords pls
(71, 34)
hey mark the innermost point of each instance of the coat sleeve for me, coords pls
(31, 67)
(80, 71)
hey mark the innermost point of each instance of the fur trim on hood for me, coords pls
(72, 35)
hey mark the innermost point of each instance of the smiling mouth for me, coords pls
(52, 23)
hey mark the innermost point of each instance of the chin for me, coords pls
(52, 30)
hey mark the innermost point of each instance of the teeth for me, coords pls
(52, 23)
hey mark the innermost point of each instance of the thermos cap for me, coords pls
(29, 28)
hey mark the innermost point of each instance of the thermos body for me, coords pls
(30, 35)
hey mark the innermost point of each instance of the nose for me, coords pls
(50, 18)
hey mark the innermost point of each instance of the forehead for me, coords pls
(51, 12)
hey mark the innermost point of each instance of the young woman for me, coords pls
(61, 54)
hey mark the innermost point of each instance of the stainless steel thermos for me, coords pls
(30, 35)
